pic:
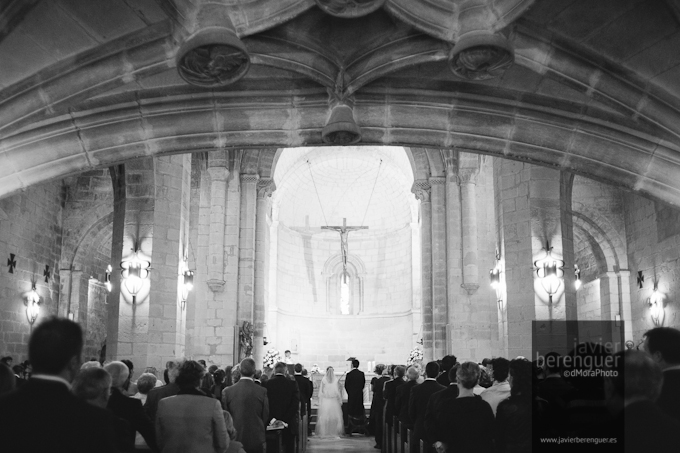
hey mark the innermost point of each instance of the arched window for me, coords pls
(344, 294)
(344, 289)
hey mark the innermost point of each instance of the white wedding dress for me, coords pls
(329, 416)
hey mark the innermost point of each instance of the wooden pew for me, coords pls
(410, 447)
(422, 446)
(395, 435)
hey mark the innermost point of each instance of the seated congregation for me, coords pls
(499, 405)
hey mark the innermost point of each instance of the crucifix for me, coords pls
(344, 232)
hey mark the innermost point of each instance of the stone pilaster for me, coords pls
(218, 206)
(265, 187)
(468, 169)
(246, 268)
(439, 274)
(453, 246)
(421, 189)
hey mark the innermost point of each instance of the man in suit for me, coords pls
(417, 405)
(436, 407)
(378, 403)
(402, 400)
(248, 405)
(284, 403)
(448, 362)
(305, 387)
(500, 390)
(663, 345)
(640, 425)
(355, 381)
(157, 394)
(129, 409)
(46, 403)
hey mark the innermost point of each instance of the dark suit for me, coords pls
(648, 428)
(306, 388)
(248, 405)
(463, 424)
(284, 404)
(355, 381)
(378, 406)
(669, 400)
(401, 403)
(157, 394)
(443, 378)
(435, 406)
(131, 410)
(390, 395)
(45, 416)
(417, 405)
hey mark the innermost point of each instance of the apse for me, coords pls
(325, 305)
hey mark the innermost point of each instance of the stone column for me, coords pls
(265, 187)
(439, 274)
(625, 308)
(246, 267)
(416, 279)
(218, 205)
(468, 169)
(421, 189)
(453, 246)
(271, 330)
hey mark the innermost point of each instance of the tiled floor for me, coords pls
(354, 444)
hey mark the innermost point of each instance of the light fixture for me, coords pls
(134, 271)
(577, 277)
(107, 278)
(655, 303)
(32, 302)
(187, 285)
(495, 278)
(550, 272)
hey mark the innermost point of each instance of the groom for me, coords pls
(355, 381)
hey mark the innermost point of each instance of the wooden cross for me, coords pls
(12, 263)
(344, 231)
(46, 274)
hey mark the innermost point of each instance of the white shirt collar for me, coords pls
(48, 377)
(674, 367)
(247, 377)
(430, 379)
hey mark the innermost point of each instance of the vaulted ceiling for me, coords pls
(590, 87)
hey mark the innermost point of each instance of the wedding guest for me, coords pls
(448, 362)
(218, 386)
(7, 380)
(90, 364)
(464, 423)
(157, 394)
(257, 377)
(18, 371)
(235, 374)
(663, 345)
(166, 376)
(263, 379)
(129, 409)
(500, 389)
(93, 385)
(190, 422)
(7, 360)
(309, 400)
(288, 359)
(390, 393)
(378, 403)
(284, 400)
(228, 382)
(249, 406)
(145, 384)
(553, 388)
(417, 405)
(402, 399)
(54, 348)
(305, 387)
(513, 425)
(639, 424)
(207, 381)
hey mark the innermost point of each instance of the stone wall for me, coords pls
(653, 237)
(588, 301)
(31, 229)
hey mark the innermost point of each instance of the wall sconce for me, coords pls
(550, 272)
(655, 303)
(32, 302)
(495, 278)
(134, 271)
(187, 285)
(577, 277)
(107, 278)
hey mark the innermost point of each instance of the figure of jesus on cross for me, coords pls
(344, 232)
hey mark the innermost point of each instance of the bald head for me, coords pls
(119, 373)
(412, 374)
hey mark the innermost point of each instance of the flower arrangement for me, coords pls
(415, 356)
(271, 357)
(315, 369)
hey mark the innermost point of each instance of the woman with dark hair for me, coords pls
(514, 415)
(228, 381)
(190, 422)
(218, 386)
(378, 402)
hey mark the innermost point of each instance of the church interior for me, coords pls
(219, 178)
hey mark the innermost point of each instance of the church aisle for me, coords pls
(354, 444)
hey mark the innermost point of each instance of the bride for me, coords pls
(329, 421)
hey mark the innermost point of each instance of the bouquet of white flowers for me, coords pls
(415, 356)
(315, 369)
(271, 357)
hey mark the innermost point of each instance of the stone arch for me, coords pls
(92, 237)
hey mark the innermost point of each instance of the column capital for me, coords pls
(249, 178)
(450, 160)
(468, 168)
(421, 188)
(218, 173)
(265, 188)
